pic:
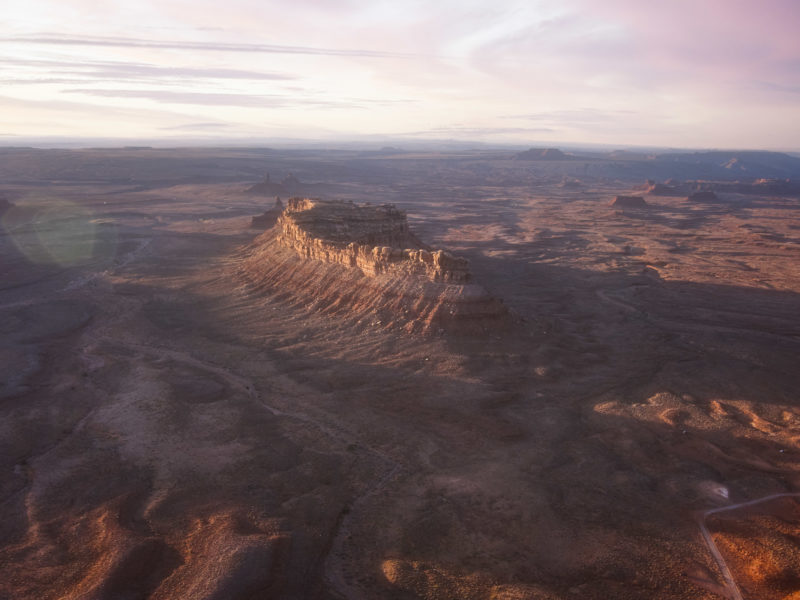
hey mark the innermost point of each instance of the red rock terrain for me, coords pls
(365, 264)
(193, 408)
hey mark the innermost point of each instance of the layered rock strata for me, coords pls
(374, 239)
(363, 262)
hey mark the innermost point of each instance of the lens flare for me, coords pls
(59, 232)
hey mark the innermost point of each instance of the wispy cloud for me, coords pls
(782, 88)
(140, 43)
(40, 72)
(580, 116)
(197, 127)
(140, 70)
(479, 132)
(41, 80)
(214, 98)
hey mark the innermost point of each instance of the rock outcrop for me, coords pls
(362, 261)
(374, 239)
(288, 186)
(661, 189)
(703, 196)
(269, 217)
(570, 184)
(629, 202)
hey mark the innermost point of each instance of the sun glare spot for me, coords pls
(59, 232)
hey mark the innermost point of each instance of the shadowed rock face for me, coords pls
(629, 202)
(661, 189)
(371, 264)
(703, 196)
(268, 218)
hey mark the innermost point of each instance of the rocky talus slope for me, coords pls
(362, 262)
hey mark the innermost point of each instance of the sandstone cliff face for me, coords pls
(363, 262)
(372, 239)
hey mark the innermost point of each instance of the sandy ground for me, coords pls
(168, 431)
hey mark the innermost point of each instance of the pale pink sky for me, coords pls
(702, 73)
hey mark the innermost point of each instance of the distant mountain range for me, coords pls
(744, 165)
(756, 164)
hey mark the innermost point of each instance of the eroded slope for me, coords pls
(363, 262)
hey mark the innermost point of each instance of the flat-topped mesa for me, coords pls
(374, 239)
(363, 264)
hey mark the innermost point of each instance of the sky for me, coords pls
(683, 73)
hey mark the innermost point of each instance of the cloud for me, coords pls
(25, 116)
(72, 72)
(627, 49)
(140, 43)
(579, 116)
(145, 71)
(41, 80)
(463, 131)
(791, 89)
(714, 72)
(196, 126)
(215, 99)
(716, 42)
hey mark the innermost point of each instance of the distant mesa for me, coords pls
(660, 189)
(629, 202)
(748, 163)
(628, 155)
(570, 184)
(363, 262)
(288, 186)
(542, 154)
(5, 204)
(290, 181)
(703, 196)
(269, 217)
(761, 186)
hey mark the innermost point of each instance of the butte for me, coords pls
(362, 262)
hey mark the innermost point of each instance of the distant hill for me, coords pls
(267, 187)
(542, 154)
(746, 163)
(288, 186)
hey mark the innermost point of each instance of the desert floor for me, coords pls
(167, 431)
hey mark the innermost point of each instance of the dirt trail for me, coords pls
(730, 581)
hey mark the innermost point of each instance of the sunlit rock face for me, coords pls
(374, 239)
(363, 261)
